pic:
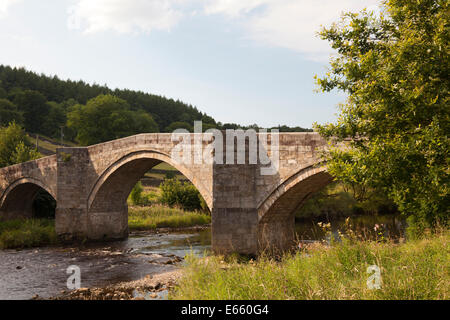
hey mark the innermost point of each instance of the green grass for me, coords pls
(164, 166)
(413, 270)
(159, 216)
(49, 144)
(25, 233)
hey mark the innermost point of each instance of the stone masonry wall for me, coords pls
(250, 211)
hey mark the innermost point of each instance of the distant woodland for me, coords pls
(92, 113)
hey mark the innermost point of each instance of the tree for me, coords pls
(55, 119)
(105, 118)
(164, 111)
(179, 125)
(24, 153)
(34, 107)
(14, 146)
(394, 68)
(9, 113)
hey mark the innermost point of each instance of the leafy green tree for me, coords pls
(394, 68)
(143, 122)
(24, 153)
(179, 125)
(107, 118)
(55, 119)
(9, 113)
(14, 146)
(34, 107)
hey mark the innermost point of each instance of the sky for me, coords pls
(239, 61)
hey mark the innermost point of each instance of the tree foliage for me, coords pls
(183, 194)
(394, 68)
(14, 146)
(34, 108)
(179, 125)
(107, 118)
(9, 113)
(46, 101)
(163, 110)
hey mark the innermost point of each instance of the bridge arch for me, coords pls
(276, 213)
(107, 200)
(18, 198)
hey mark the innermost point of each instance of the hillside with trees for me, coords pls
(92, 113)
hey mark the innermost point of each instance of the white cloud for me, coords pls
(123, 16)
(5, 5)
(290, 24)
(233, 8)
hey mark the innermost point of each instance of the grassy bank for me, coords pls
(159, 216)
(25, 233)
(412, 270)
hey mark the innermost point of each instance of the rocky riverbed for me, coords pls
(147, 288)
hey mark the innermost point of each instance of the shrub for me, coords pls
(136, 194)
(139, 197)
(182, 194)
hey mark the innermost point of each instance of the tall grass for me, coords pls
(160, 216)
(25, 233)
(413, 270)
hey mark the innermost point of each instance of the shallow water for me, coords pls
(42, 271)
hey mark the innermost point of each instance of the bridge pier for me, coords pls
(234, 213)
(235, 230)
(71, 216)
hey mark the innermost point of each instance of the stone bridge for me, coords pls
(250, 211)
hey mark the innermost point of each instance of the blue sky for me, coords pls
(241, 61)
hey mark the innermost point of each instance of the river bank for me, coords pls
(110, 270)
(408, 270)
(350, 269)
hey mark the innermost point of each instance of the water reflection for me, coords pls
(179, 244)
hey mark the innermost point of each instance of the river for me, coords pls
(43, 271)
